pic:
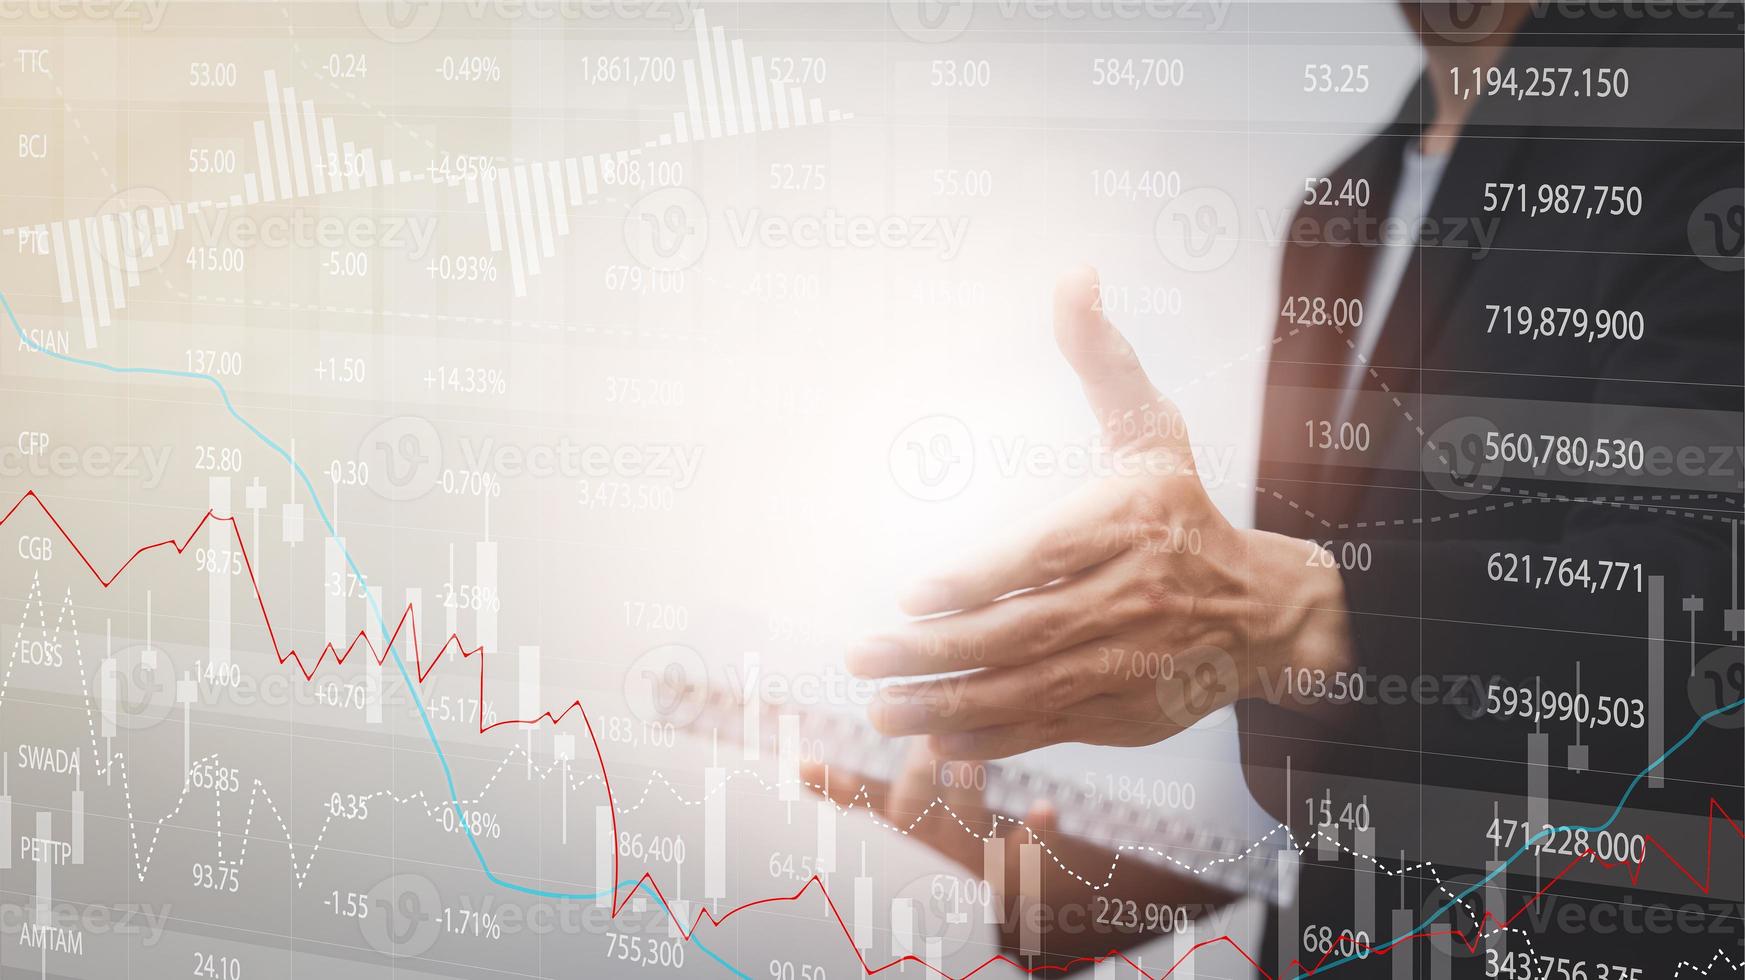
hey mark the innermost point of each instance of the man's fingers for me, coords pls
(987, 698)
(1018, 630)
(1082, 529)
(1127, 405)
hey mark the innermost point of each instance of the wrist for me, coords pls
(1301, 620)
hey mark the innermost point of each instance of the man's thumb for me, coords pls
(1126, 403)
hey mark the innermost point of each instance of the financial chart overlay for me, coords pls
(462, 463)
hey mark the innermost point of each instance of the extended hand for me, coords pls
(1121, 615)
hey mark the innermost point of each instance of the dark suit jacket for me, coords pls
(1524, 626)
